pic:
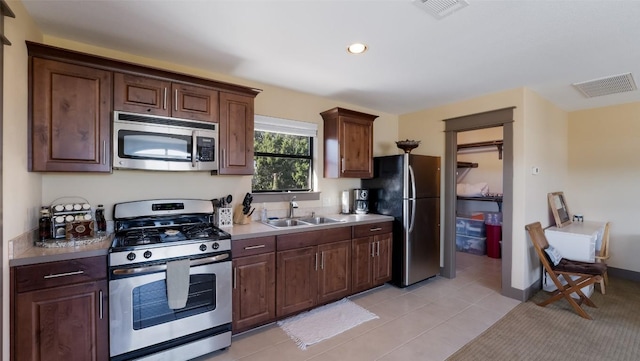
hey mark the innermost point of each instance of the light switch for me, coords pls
(535, 170)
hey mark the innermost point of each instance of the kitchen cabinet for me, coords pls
(70, 117)
(72, 95)
(59, 311)
(334, 281)
(140, 94)
(312, 268)
(254, 283)
(371, 247)
(236, 134)
(348, 143)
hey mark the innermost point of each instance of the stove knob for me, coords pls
(203, 247)
(215, 245)
(131, 256)
(147, 254)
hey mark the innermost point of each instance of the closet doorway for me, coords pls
(479, 191)
(496, 118)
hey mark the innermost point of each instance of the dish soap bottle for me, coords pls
(101, 222)
(44, 224)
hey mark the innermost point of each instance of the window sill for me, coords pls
(284, 196)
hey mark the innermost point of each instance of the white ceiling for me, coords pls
(414, 61)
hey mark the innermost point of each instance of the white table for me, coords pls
(576, 241)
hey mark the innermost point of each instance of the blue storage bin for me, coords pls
(470, 227)
(473, 245)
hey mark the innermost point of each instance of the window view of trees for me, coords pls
(282, 162)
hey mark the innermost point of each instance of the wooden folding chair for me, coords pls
(603, 255)
(587, 273)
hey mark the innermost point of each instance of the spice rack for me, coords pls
(64, 213)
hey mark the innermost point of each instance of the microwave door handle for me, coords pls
(194, 148)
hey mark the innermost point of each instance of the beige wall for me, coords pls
(545, 142)
(604, 169)
(533, 117)
(21, 190)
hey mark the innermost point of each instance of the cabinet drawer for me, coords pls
(372, 229)
(252, 246)
(61, 273)
(313, 238)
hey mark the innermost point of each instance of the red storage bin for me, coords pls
(494, 236)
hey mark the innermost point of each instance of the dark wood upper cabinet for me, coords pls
(348, 143)
(236, 134)
(139, 94)
(72, 96)
(71, 124)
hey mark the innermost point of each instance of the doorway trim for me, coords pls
(494, 118)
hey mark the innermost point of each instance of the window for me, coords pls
(283, 155)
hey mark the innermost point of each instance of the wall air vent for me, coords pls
(440, 8)
(607, 85)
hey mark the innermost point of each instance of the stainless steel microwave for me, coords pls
(151, 142)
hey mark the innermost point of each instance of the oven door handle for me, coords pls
(163, 267)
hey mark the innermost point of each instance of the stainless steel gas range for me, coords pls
(169, 281)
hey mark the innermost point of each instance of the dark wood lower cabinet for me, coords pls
(59, 311)
(334, 280)
(254, 291)
(63, 323)
(297, 280)
(312, 276)
(371, 261)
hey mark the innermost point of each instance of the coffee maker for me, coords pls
(360, 201)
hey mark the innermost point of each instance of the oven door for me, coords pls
(139, 313)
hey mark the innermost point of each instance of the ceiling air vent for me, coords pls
(440, 8)
(605, 86)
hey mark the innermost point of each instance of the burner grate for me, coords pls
(141, 236)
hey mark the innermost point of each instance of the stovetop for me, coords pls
(133, 237)
(162, 230)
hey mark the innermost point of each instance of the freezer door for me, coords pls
(421, 243)
(426, 173)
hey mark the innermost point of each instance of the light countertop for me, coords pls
(258, 229)
(34, 255)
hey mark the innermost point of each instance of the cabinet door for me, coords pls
(382, 259)
(362, 256)
(63, 323)
(236, 134)
(356, 147)
(334, 278)
(297, 280)
(139, 94)
(195, 103)
(70, 124)
(254, 291)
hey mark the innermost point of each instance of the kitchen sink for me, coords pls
(319, 220)
(293, 222)
(285, 222)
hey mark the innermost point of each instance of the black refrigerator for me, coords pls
(407, 187)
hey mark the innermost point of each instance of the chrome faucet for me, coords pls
(292, 206)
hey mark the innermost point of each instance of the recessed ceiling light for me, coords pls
(357, 48)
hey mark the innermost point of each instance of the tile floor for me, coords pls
(426, 321)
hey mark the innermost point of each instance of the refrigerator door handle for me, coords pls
(412, 198)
